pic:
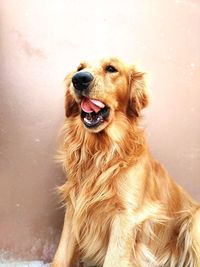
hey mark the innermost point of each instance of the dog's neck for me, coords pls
(93, 161)
(122, 141)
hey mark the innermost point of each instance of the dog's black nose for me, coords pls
(82, 80)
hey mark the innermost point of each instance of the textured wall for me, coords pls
(40, 42)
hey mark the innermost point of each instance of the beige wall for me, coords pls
(40, 42)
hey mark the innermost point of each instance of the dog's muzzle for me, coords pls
(93, 111)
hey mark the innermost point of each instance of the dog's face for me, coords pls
(97, 92)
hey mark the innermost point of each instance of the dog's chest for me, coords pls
(92, 222)
(92, 230)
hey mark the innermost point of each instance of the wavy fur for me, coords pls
(123, 209)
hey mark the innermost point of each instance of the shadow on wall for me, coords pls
(40, 43)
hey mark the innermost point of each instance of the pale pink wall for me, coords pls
(40, 42)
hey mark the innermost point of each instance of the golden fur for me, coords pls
(123, 209)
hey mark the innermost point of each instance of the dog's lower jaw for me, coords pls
(102, 126)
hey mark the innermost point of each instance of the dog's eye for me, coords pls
(110, 69)
(81, 67)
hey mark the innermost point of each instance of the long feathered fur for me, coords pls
(111, 174)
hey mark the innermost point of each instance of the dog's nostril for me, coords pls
(82, 80)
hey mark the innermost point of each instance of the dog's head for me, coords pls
(98, 92)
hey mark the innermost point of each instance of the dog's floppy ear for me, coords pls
(138, 97)
(71, 107)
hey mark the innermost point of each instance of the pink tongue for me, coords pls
(89, 105)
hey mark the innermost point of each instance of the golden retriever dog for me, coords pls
(122, 207)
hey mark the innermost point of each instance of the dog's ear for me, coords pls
(71, 107)
(138, 97)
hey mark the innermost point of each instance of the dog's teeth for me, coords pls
(87, 121)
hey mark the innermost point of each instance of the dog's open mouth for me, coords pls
(93, 112)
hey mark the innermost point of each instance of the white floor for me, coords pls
(29, 264)
(23, 264)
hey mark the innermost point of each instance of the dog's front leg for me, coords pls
(120, 251)
(66, 253)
